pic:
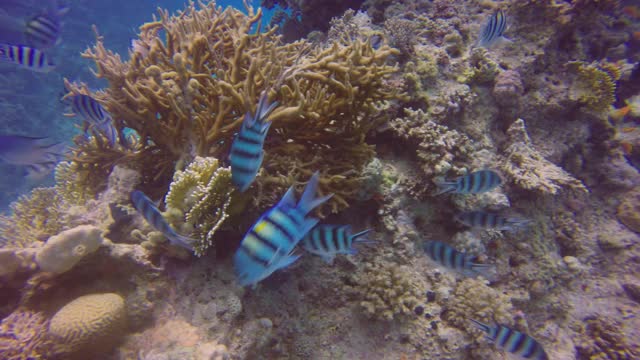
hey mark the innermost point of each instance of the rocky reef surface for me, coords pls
(386, 102)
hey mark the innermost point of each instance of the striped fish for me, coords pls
(492, 31)
(485, 219)
(513, 341)
(454, 259)
(329, 240)
(26, 57)
(269, 243)
(43, 31)
(152, 215)
(474, 183)
(94, 114)
(246, 150)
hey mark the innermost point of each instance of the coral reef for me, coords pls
(24, 335)
(595, 85)
(629, 210)
(89, 323)
(529, 170)
(603, 338)
(64, 250)
(386, 290)
(473, 299)
(508, 88)
(185, 101)
(200, 195)
(439, 149)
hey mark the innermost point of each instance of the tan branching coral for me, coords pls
(90, 322)
(24, 335)
(387, 290)
(529, 170)
(201, 195)
(185, 96)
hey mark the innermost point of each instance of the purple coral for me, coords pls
(508, 88)
(24, 335)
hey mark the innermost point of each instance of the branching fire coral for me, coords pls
(201, 194)
(185, 96)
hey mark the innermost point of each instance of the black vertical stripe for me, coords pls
(31, 53)
(264, 240)
(281, 229)
(442, 253)
(21, 55)
(517, 346)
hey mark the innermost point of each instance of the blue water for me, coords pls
(29, 101)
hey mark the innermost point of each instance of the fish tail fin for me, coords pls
(485, 270)
(308, 201)
(182, 241)
(358, 237)
(444, 187)
(480, 325)
(264, 109)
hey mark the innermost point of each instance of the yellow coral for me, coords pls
(201, 194)
(186, 95)
(90, 322)
(34, 218)
(595, 85)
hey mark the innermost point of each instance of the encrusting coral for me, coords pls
(89, 323)
(64, 250)
(186, 95)
(602, 338)
(24, 335)
(529, 170)
(200, 195)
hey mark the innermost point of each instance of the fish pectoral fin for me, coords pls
(286, 261)
(328, 259)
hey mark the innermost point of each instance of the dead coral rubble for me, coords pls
(185, 96)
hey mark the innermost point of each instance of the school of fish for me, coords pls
(271, 243)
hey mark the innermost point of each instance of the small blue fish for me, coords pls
(43, 31)
(485, 219)
(26, 57)
(454, 259)
(329, 240)
(246, 150)
(269, 243)
(474, 183)
(94, 114)
(513, 341)
(152, 215)
(492, 31)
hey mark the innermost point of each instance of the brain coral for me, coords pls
(90, 322)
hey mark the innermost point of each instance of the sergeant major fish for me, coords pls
(493, 30)
(269, 243)
(26, 57)
(94, 114)
(474, 183)
(454, 259)
(246, 150)
(513, 341)
(152, 215)
(485, 219)
(43, 30)
(327, 241)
